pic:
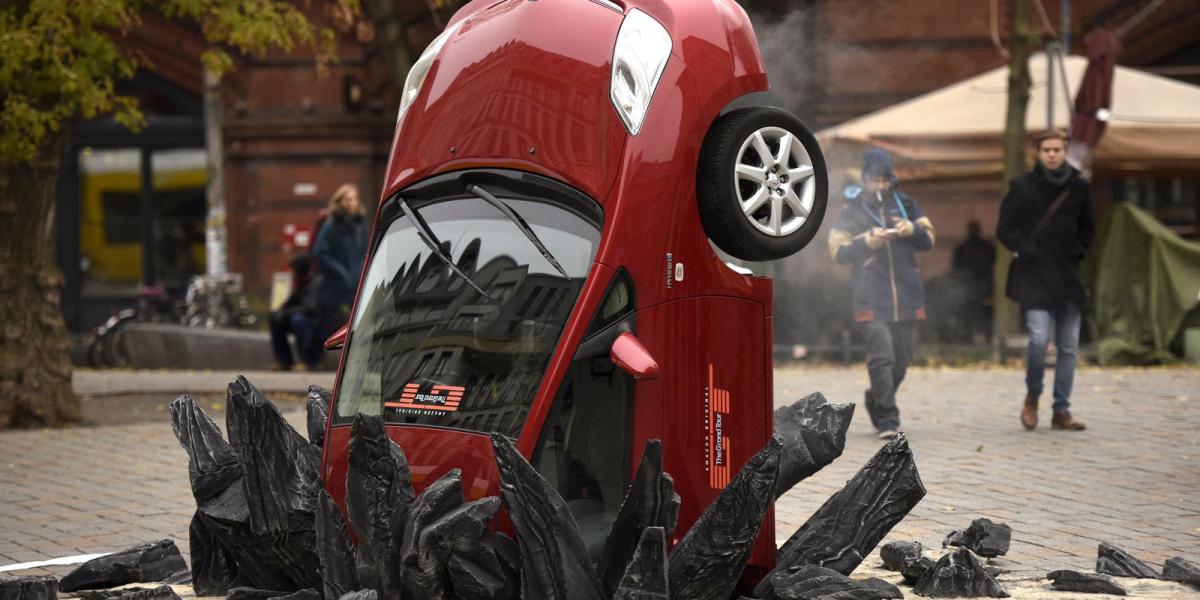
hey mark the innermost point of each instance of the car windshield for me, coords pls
(426, 348)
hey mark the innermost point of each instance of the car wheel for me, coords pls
(762, 184)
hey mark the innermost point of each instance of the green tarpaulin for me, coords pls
(1146, 288)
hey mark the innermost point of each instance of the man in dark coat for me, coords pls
(878, 233)
(1046, 221)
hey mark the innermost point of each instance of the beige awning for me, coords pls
(957, 130)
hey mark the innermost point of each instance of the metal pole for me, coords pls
(215, 232)
(146, 204)
(1066, 26)
(1049, 54)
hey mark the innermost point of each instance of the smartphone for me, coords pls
(890, 231)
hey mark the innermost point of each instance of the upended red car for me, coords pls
(542, 263)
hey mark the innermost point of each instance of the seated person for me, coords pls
(297, 316)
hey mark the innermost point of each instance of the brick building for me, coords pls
(132, 206)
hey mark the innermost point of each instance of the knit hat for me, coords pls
(877, 163)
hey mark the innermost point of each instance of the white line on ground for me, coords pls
(65, 560)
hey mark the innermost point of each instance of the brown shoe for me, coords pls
(1064, 420)
(1029, 413)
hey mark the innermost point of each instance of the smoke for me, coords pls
(789, 56)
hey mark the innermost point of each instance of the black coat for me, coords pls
(1045, 271)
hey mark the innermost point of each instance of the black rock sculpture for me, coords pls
(490, 570)
(707, 562)
(983, 537)
(361, 595)
(29, 587)
(227, 550)
(143, 563)
(554, 560)
(280, 468)
(439, 499)
(1115, 561)
(378, 494)
(810, 582)
(914, 569)
(813, 433)
(650, 502)
(1177, 569)
(212, 463)
(247, 593)
(851, 522)
(457, 532)
(959, 574)
(317, 406)
(334, 549)
(213, 570)
(886, 587)
(162, 592)
(646, 576)
(306, 594)
(894, 554)
(1088, 583)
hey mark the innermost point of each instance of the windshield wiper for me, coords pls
(519, 222)
(426, 234)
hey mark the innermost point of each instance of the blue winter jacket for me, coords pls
(885, 283)
(339, 252)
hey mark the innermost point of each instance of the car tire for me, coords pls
(753, 206)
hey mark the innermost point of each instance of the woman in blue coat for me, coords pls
(339, 253)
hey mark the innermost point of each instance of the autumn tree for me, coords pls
(60, 62)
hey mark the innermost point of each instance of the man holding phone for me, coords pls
(878, 233)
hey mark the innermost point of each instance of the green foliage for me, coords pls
(61, 59)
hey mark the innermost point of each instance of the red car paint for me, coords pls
(524, 85)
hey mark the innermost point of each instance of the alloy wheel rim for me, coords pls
(774, 180)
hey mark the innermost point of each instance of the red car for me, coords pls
(541, 263)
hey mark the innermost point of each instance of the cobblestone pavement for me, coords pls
(1132, 479)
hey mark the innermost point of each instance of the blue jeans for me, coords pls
(299, 325)
(1065, 322)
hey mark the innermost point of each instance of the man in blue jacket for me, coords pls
(878, 233)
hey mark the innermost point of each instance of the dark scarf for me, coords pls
(1057, 177)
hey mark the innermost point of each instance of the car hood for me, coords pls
(520, 85)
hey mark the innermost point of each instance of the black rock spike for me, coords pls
(651, 501)
(914, 569)
(1088, 583)
(554, 559)
(1115, 561)
(487, 571)
(894, 554)
(162, 592)
(317, 406)
(459, 531)
(983, 537)
(851, 522)
(378, 494)
(645, 577)
(212, 464)
(809, 582)
(144, 563)
(1177, 569)
(213, 570)
(280, 468)
(29, 587)
(959, 574)
(708, 561)
(334, 549)
(813, 433)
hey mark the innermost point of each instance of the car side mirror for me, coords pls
(338, 340)
(631, 356)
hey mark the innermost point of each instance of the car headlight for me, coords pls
(643, 47)
(420, 69)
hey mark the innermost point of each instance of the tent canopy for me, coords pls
(958, 130)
